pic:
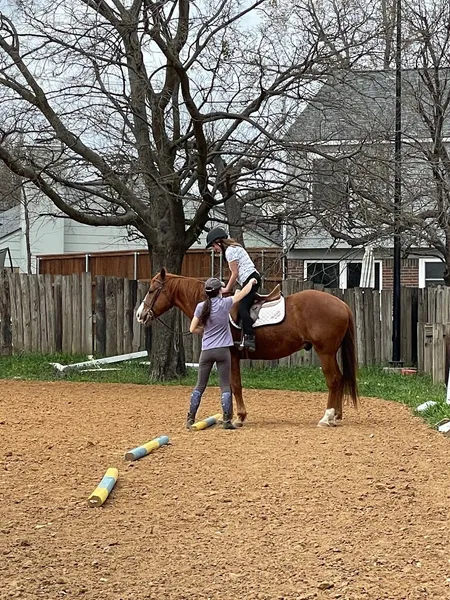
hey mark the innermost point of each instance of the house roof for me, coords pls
(9, 221)
(361, 105)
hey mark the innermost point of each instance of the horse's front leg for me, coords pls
(236, 388)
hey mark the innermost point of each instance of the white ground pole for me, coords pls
(99, 361)
(192, 365)
(426, 405)
(61, 369)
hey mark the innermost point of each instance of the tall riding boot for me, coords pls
(249, 342)
(227, 407)
(196, 397)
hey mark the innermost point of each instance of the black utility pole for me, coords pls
(396, 317)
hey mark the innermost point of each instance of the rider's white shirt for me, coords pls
(245, 264)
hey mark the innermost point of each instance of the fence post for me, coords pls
(51, 312)
(438, 353)
(130, 289)
(66, 313)
(120, 307)
(447, 358)
(377, 326)
(100, 316)
(386, 325)
(44, 345)
(87, 321)
(369, 332)
(5, 316)
(35, 314)
(359, 318)
(77, 339)
(57, 296)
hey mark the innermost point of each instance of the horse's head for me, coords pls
(157, 300)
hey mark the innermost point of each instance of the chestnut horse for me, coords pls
(313, 318)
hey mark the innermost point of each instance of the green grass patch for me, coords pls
(373, 381)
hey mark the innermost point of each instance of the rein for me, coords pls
(180, 333)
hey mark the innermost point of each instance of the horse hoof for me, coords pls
(238, 423)
(326, 424)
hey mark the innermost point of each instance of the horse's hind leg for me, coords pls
(333, 378)
(236, 388)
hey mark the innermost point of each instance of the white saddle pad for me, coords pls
(271, 313)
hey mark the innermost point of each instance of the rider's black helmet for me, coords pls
(214, 235)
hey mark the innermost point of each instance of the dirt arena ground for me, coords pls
(277, 510)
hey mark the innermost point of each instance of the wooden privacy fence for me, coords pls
(72, 314)
(78, 314)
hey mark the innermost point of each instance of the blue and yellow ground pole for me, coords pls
(102, 491)
(206, 422)
(145, 449)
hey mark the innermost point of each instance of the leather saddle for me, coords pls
(260, 300)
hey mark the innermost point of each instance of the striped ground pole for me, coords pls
(206, 422)
(145, 449)
(102, 491)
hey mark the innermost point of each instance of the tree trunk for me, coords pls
(167, 350)
(234, 217)
(26, 214)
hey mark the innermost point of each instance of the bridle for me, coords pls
(150, 305)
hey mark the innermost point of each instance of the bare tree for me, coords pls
(350, 195)
(154, 113)
(12, 194)
(9, 188)
(430, 33)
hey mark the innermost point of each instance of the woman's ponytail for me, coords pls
(206, 310)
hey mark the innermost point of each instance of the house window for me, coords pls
(353, 274)
(324, 273)
(343, 274)
(431, 272)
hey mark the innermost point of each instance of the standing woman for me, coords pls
(211, 318)
(242, 270)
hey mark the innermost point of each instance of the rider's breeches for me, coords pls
(246, 303)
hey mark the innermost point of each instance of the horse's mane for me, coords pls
(191, 283)
(196, 279)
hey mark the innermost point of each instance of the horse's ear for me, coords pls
(163, 273)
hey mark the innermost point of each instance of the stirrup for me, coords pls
(249, 343)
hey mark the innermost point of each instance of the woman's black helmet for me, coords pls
(214, 235)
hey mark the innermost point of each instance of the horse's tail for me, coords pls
(350, 362)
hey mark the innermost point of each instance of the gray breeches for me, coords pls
(220, 356)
